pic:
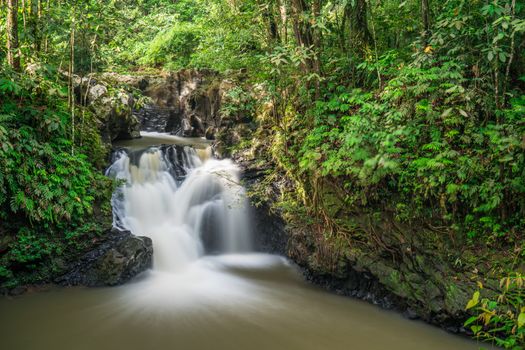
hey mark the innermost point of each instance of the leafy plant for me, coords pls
(500, 319)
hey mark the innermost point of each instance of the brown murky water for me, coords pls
(228, 302)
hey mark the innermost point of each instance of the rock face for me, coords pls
(114, 110)
(407, 275)
(269, 228)
(114, 262)
(189, 102)
(186, 103)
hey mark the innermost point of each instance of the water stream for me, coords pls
(207, 289)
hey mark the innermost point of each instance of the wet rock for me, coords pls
(269, 228)
(115, 112)
(153, 118)
(410, 314)
(17, 291)
(114, 262)
(406, 274)
(4, 243)
(118, 120)
(210, 133)
(193, 127)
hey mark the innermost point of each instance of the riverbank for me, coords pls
(402, 271)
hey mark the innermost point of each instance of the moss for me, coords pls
(457, 295)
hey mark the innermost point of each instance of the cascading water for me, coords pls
(188, 203)
(201, 294)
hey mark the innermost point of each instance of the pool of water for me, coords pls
(242, 301)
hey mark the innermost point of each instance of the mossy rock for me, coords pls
(116, 261)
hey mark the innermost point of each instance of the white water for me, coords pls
(176, 215)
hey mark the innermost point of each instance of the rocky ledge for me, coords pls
(422, 287)
(116, 261)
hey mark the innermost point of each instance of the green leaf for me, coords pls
(474, 301)
(446, 113)
(470, 321)
(521, 319)
(475, 329)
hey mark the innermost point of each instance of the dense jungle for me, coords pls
(236, 156)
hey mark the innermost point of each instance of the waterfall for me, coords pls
(188, 203)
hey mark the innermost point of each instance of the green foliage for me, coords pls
(29, 247)
(238, 103)
(500, 319)
(424, 127)
(172, 48)
(422, 145)
(47, 193)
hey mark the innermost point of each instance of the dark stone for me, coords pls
(410, 314)
(210, 133)
(196, 127)
(4, 243)
(211, 232)
(143, 84)
(158, 119)
(120, 258)
(270, 235)
(268, 227)
(189, 102)
(17, 291)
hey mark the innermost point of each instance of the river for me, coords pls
(208, 288)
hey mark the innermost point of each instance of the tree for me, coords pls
(425, 18)
(35, 13)
(306, 37)
(13, 55)
(358, 18)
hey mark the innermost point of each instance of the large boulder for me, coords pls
(116, 113)
(116, 261)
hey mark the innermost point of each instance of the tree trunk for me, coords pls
(46, 38)
(358, 18)
(284, 20)
(24, 14)
(269, 16)
(71, 87)
(302, 28)
(13, 54)
(34, 24)
(297, 11)
(316, 11)
(425, 18)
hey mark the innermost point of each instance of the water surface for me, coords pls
(228, 302)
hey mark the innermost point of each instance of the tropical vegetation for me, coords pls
(407, 111)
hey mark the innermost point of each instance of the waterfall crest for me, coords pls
(188, 203)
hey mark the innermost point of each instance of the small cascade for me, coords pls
(188, 203)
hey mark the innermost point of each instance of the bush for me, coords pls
(421, 146)
(501, 319)
(49, 189)
(172, 48)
